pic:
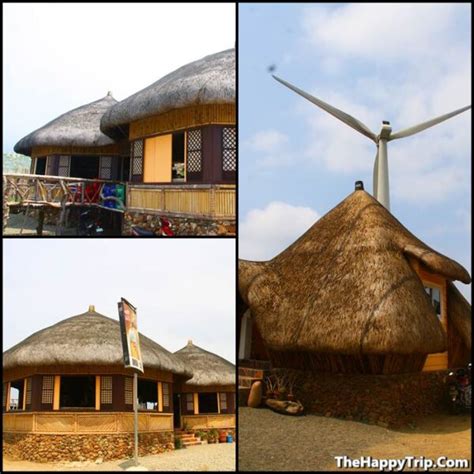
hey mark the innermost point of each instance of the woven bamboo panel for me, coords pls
(195, 422)
(209, 421)
(23, 422)
(8, 422)
(160, 422)
(97, 423)
(186, 117)
(73, 150)
(188, 201)
(126, 423)
(225, 202)
(55, 423)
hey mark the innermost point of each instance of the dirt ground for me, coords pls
(19, 224)
(207, 457)
(269, 441)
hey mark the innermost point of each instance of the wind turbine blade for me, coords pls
(376, 174)
(423, 126)
(339, 114)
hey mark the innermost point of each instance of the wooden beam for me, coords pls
(218, 402)
(160, 396)
(97, 392)
(196, 403)
(25, 388)
(7, 401)
(57, 389)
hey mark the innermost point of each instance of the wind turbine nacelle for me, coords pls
(386, 131)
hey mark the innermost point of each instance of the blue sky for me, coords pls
(405, 63)
(59, 56)
(183, 288)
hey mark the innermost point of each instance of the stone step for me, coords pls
(192, 443)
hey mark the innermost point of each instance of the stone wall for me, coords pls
(83, 447)
(179, 225)
(386, 400)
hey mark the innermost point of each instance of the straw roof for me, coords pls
(78, 127)
(207, 368)
(346, 286)
(87, 339)
(210, 80)
(459, 311)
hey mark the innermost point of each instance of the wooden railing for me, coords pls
(93, 422)
(215, 201)
(58, 190)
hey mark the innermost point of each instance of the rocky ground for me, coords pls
(269, 441)
(19, 224)
(208, 457)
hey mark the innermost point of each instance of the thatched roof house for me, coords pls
(72, 143)
(207, 400)
(89, 339)
(349, 296)
(182, 127)
(209, 80)
(207, 368)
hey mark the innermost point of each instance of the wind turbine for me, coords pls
(380, 176)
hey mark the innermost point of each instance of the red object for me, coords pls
(165, 227)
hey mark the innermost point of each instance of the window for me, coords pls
(434, 294)
(208, 403)
(17, 391)
(64, 165)
(105, 167)
(128, 391)
(147, 395)
(194, 151)
(77, 392)
(189, 402)
(48, 389)
(178, 157)
(229, 149)
(106, 389)
(29, 382)
(223, 401)
(136, 157)
(51, 165)
(83, 166)
(166, 395)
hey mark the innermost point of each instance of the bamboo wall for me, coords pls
(85, 422)
(180, 119)
(208, 421)
(197, 201)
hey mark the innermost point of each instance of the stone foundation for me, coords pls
(179, 225)
(386, 400)
(83, 447)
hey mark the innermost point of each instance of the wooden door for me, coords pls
(157, 160)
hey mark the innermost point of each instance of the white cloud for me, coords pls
(265, 232)
(267, 140)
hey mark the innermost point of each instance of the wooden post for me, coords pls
(39, 229)
(97, 392)
(25, 388)
(7, 401)
(160, 397)
(218, 402)
(57, 388)
(196, 403)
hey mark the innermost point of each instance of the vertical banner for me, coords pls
(132, 356)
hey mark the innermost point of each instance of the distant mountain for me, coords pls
(16, 163)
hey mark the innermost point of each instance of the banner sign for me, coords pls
(132, 356)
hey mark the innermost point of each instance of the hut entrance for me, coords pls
(177, 410)
(41, 165)
(208, 403)
(16, 398)
(147, 395)
(85, 167)
(178, 157)
(77, 392)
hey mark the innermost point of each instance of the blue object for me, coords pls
(229, 438)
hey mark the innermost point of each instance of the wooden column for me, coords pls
(218, 402)
(7, 401)
(25, 388)
(97, 392)
(57, 388)
(160, 397)
(196, 403)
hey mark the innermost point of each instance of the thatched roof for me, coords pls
(346, 286)
(78, 127)
(87, 339)
(210, 80)
(207, 368)
(460, 314)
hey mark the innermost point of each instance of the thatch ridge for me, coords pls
(208, 368)
(86, 339)
(209, 80)
(79, 127)
(346, 286)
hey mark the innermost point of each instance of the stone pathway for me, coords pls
(207, 457)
